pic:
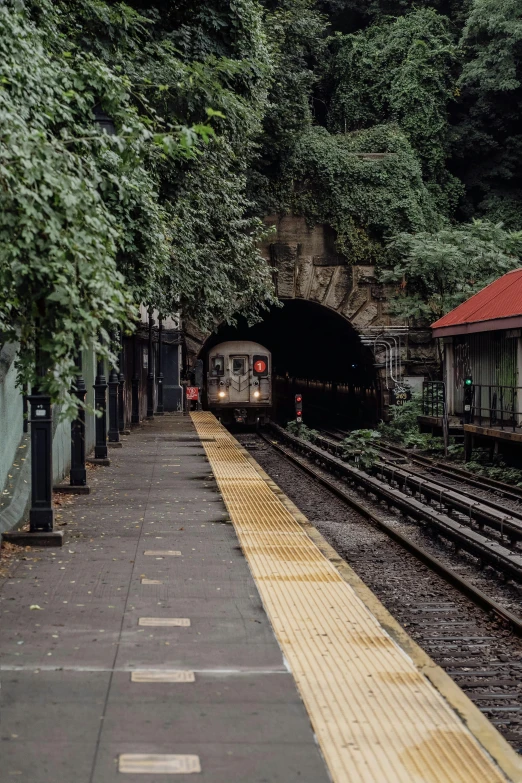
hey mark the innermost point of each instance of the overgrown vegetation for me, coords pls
(361, 447)
(483, 463)
(227, 112)
(91, 223)
(437, 271)
(301, 431)
(433, 85)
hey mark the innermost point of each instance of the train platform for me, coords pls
(195, 623)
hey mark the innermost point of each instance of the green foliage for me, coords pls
(59, 282)
(93, 224)
(364, 200)
(301, 431)
(403, 427)
(483, 463)
(349, 15)
(361, 447)
(488, 143)
(403, 71)
(295, 32)
(438, 271)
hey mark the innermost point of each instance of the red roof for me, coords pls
(498, 306)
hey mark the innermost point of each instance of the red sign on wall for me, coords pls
(193, 393)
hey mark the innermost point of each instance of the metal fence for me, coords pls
(498, 406)
(433, 398)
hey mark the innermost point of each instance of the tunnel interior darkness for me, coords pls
(312, 348)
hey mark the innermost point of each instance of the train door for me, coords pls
(239, 390)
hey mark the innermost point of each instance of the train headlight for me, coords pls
(256, 394)
(222, 394)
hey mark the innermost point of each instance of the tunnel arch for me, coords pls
(317, 351)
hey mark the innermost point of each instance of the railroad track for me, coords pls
(480, 652)
(500, 488)
(453, 516)
(404, 504)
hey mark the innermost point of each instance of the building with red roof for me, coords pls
(498, 306)
(482, 358)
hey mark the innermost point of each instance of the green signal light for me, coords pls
(468, 381)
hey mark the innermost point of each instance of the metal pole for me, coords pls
(41, 515)
(114, 388)
(25, 413)
(150, 374)
(100, 404)
(135, 416)
(78, 474)
(159, 406)
(121, 389)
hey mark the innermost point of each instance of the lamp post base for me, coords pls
(38, 538)
(72, 489)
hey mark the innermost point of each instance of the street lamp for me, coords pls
(150, 374)
(159, 406)
(100, 404)
(114, 388)
(78, 473)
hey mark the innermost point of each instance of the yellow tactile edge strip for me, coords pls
(377, 718)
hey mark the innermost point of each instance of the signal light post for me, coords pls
(299, 410)
(468, 399)
(468, 416)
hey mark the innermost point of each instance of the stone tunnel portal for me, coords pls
(316, 352)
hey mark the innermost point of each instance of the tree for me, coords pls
(334, 179)
(488, 141)
(401, 70)
(437, 271)
(93, 224)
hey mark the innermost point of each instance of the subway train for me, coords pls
(239, 382)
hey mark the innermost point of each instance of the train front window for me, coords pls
(238, 365)
(217, 366)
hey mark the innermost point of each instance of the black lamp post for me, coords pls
(121, 390)
(41, 515)
(78, 473)
(150, 374)
(100, 404)
(159, 406)
(135, 415)
(114, 388)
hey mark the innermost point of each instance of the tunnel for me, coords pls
(317, 353)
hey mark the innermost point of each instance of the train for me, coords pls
(239, 382)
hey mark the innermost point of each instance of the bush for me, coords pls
(301, 431)
(362, 447)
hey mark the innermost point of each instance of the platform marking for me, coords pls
(152, 582)
(162, 675)
(162, 553)
(164, 622)
(376, 717)
(157, 764)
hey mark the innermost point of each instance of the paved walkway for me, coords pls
(85, 628)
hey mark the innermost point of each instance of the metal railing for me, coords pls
(433, 398)
(497, 405)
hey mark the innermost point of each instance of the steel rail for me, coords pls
(506, 490)
(478, 597)
(463, 536)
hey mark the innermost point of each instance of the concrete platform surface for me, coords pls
(71, 637)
